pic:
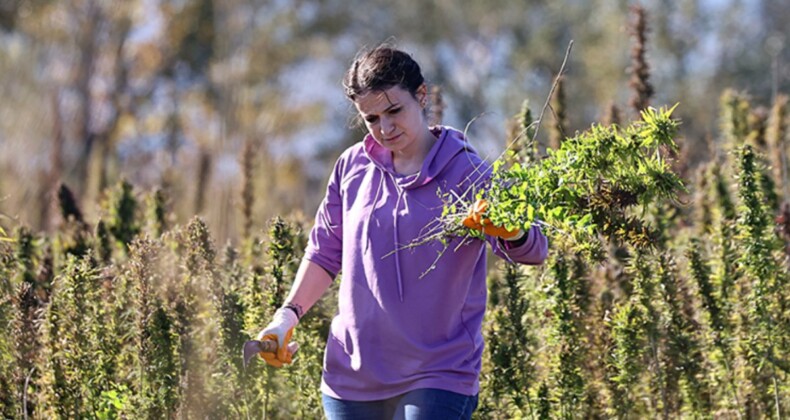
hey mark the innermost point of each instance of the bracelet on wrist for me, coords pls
(296, 308)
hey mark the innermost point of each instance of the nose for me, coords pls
(386, 126)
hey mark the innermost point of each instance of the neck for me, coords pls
(409, 161)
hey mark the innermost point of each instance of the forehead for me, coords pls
(376, 102)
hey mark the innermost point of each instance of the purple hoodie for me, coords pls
(395, 331)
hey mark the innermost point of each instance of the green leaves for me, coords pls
(3, 234)
(658, 129)
(590, 184)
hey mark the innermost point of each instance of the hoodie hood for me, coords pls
(449, 143)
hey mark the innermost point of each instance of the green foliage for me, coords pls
(113, 404)
(701, 273)
(74, 377)
(149, 324)
(103, 243)
(156, 212)
(27, 288)
(718, 322)
(188, 302)
(200, 252)
(734, 118)
(19, 306)
(591, 185)
(258, 311)
(566, 335)
(68, 205)
(511, 346)
(280, 252)
(73, 237)
(25, 256)
(122, 221)
(155, 342)
(776, 136)
(722, 193)
(684, 352)
(4, 236)
(766, 316)
(544, 402)
(8, 400)
(23, 328)
(703, 198)
(627, 326)
(284, 251)
(768, 189)
(727, 270)
(521, 136)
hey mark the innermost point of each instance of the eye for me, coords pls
(370, 119)
(395, 110)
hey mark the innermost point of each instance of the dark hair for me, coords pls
(380, 69)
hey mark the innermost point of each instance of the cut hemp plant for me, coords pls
(589, 188)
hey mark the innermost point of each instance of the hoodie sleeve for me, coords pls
(532, 251)
(325, 245)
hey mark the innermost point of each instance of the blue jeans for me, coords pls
(420, 404)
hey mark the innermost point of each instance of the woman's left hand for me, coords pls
(475, 220)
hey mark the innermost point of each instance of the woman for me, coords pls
(402, 345)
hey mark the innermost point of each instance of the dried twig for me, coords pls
(553, 87)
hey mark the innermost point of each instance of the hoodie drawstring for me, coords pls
(370, 215)
(449, 144)
(397, 245)
(368, 240)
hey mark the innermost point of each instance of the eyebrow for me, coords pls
(391, 106)
(385, 110)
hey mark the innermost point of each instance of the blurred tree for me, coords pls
(8, 13)
(194, 31)
(142, 89)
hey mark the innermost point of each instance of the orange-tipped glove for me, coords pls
(475, 220)
(280, 330)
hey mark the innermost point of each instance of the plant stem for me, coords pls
(553, 87)
(24, 392)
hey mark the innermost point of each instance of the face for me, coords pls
(394, 117)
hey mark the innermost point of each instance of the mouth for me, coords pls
(393, 138)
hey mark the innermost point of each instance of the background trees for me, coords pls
(167, 93)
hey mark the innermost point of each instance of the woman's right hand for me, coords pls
(280, 330)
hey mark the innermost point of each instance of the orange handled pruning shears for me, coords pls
(253, 347)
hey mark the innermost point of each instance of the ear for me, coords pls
(422, 95)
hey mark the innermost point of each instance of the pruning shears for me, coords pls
(253, 347)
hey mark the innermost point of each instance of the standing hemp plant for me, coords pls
(766, 293)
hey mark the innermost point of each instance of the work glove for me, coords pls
(475, 220)
(280, 330)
